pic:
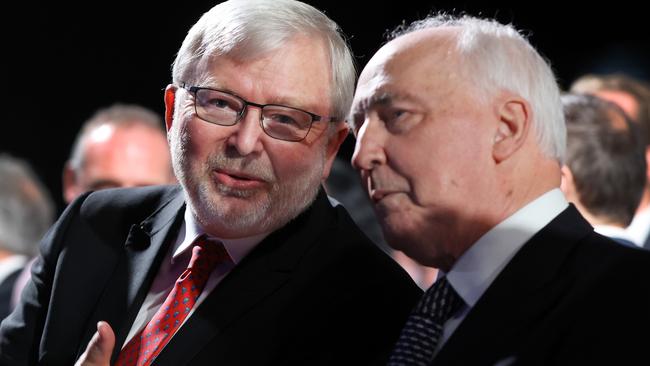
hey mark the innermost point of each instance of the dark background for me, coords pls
(63, 61)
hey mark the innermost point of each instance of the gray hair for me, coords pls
(639, 90)
(606, 156)
(498, 57)
(26, 208)
(118, 115)
(244, 29)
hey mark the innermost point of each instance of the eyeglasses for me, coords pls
(278, 121)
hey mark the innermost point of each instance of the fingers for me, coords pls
(99, 349)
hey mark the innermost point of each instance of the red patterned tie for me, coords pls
(145, 346)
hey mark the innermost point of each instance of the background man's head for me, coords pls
(632, 95)
(26, 208)
(459, 123)
(242, 170)
(605, 166)
(119, 146)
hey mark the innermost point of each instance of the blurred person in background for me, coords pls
(123, 145)
(26, 212)
(604, 173)
(633, 96)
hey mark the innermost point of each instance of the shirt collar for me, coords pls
(611, 231)
(190, 230)
(10, 264)
(639, 227)
(475, 270)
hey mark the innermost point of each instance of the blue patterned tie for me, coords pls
(423, 328)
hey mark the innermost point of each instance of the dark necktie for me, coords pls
(143, 348)
(423, 328)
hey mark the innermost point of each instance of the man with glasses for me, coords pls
(278, 121)
(248, 262)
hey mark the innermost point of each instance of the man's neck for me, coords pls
(645, 201)
(603, 221)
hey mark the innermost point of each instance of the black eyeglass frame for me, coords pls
(240, 115)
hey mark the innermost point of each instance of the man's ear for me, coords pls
(568, 186)
(514, 116)
(170, 98)
(335, 141)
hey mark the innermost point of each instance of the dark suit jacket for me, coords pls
(569, 297)
(314, 292)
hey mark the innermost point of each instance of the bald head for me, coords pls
(122, 146)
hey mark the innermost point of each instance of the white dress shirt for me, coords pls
(639, 228)
(475, 270)
(11, 264)
(176, 261)
(614, 232)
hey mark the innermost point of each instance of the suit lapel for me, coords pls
(143, 251)
(249, 284)
(518, 297)
(144, 243)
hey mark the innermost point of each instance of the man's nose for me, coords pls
(369, 149)
(248, 134)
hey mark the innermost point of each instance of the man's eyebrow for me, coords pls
(283, 100)
(378, 99)
(366, 103)
(381, 99)
(386, 98)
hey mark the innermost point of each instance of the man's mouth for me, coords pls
(238, 180)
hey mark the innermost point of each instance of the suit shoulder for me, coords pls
(609, 252)
(127, 200)
(356, 254)
(600, 261)
(119, 208)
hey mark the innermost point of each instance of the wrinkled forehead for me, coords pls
(435, 46)
(423, 61)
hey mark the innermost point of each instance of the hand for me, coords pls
(99, 349)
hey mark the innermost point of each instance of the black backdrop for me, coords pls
(63, 61)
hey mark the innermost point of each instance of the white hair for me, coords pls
(498, 57)
(244, 29)
(26, 208)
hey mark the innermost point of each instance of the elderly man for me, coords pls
(460, 139)
(248, 263)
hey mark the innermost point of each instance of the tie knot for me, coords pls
(440, 301)
(425, 325)
(206, 254)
